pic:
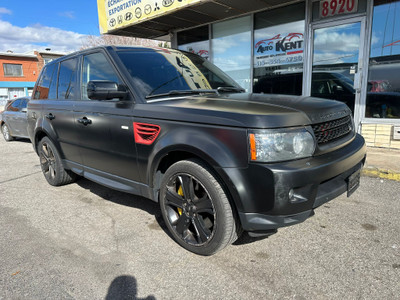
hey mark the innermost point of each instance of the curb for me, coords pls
(381, 173)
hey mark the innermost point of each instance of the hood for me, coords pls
(244, 110)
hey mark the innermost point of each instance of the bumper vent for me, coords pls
(332, 130)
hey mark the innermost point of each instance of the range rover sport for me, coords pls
(170, 126)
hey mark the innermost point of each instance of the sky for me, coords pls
(61, 26)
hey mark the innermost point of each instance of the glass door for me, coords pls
(337, 62)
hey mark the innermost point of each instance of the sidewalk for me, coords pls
(382, 163)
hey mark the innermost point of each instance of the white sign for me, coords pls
(330, 8)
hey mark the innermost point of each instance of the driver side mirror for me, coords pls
(105, 90)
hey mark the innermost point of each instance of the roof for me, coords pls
(201, 13)
(17, 55)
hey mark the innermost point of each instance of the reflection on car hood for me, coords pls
(244, 110)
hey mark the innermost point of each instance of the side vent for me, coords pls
(145, 134)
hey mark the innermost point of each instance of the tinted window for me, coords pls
(24, 104)
(158, 72)
(42, 89)
(96, 67)
(53, 84)
(15, 105)
(67, 79)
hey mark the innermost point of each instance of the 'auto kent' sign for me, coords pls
(117, 14)
(282, 49)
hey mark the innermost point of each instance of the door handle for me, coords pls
(85, 121)
(50, 116)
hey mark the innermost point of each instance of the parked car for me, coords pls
(172, 127)
(13, 120)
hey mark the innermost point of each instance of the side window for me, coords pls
(42, 89)
(24, 104)
(15, 105)
(67, 79)
(96, 67)
(53, 84)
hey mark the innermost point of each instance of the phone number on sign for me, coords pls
(280, 61)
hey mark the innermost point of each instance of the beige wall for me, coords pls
(379, 135)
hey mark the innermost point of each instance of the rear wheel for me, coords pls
(196, 209)
(51, 164)
(6, 133)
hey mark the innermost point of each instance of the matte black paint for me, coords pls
(211, 127)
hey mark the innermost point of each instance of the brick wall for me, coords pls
(29, 68)
(379, 135)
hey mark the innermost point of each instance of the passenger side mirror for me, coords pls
(105, 90)
(24, 110)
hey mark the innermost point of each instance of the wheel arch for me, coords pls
(168, 158)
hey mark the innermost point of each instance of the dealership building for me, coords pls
(347, 50)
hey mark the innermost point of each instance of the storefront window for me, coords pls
(383, 91)
(231, 46)
(195, 41)
(278, 50)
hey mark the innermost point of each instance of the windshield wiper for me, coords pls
(230, 89)
(182, 92)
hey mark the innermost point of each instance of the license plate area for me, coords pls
(353, 182)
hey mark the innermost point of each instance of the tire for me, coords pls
(196, 209)
(6, 133)
(52, 167)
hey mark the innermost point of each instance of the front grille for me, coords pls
(332, 130)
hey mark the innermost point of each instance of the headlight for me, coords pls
(280, 144)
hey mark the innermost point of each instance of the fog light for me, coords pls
(291, 195)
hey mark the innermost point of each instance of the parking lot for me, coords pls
(84, 241)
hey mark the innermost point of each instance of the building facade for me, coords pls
(347, 50)
(18, 75)
(19, 72)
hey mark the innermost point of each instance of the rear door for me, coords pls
(58, 108)
(105, 127)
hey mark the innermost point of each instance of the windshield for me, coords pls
(161, 72)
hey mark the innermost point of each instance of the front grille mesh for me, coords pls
(332, 130)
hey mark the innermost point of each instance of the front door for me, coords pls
(337, 61)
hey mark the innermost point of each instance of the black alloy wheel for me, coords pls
(51, 164)
(196, 209)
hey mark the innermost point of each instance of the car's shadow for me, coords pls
(21, 140)
(146, 205)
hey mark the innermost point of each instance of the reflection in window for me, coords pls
(278, 50)
(66, 79)
(335, 62)
(195, 41)
(383, 90)
(96, 68)
(231, 46)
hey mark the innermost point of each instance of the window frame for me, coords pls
(9, 64)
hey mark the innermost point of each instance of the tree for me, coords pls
(117, 40)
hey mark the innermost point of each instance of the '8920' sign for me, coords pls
(330, 8)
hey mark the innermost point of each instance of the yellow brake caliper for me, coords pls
(180, 193)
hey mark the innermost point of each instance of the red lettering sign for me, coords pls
(330, 8)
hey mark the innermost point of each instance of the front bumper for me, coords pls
(269, 196)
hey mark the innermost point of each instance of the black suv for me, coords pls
(172, 127)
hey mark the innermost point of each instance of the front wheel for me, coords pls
(196, 209)
(52, 167)
(6, 133)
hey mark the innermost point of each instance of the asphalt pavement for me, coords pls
(85, 241)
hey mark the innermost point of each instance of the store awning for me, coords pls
(153, 19)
